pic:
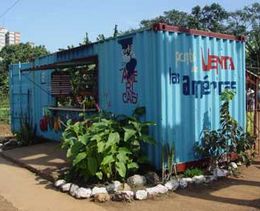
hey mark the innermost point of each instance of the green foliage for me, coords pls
(11, 54)
(210, 17)
(191, 172)
(106, 146)
(215, 18)
(229, 138)
(244, 148)
(27, 132)
(4, 108)
(168, 164)
(246, 22)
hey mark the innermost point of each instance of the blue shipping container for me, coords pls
(178, 75)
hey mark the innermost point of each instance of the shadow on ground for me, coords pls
(244, 191)
(46, 159)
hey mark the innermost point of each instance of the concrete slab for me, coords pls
(45, 159)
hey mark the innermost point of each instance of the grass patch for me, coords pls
(4, 109)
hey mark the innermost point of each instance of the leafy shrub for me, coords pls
(191, 172)
(230, 138)
(106, 146)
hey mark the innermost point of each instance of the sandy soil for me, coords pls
(28, 192)
(6, 206)
(5, 130)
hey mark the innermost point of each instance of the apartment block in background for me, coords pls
(8, 38)
(12, 38)
(3, 32)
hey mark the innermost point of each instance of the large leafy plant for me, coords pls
(106, 146)
(230, 138)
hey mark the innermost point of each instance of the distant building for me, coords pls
(3, 32)
(8, 38)
(12, 38)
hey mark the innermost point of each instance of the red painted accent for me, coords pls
(181, 167)
(165, 27)
(215, 61)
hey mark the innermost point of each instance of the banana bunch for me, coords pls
(56, 124)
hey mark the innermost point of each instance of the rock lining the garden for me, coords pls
(158, 189)
(66, 187)
(113, 187)
(99, 190)
(102, 197)
(152, 178)
(73, 189)
(83, 193)
(59, 183)
(199, 179)
(126, 196)
(233, 165)
(136, 180)
(183, 183)
(187, 179)
(141, 194)
(172, 185)
(118, 191)
(218, 172)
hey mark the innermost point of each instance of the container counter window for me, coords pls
(75, 88)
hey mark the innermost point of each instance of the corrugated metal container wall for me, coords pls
(178, 77)
(193, 70)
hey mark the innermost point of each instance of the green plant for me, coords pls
(27, 132)
(191, 172)
(168, 164)
(106, 146)
(4, 108)
(217, 145)
(244, 148)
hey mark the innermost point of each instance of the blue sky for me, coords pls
(58, 23)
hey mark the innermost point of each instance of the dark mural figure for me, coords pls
(129, 72)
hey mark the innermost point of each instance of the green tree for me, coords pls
(247, 22)
(173, 17)
(215, 18)
(10, 54)
(210, 18)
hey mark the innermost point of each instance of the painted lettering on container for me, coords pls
(199, 88)
(217, 62)
(129, 72)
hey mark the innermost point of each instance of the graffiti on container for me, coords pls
(199, 88)
(215, 62)
(184, 57)
(129, 72)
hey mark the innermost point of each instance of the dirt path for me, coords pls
(5, 130)
(6, 206)
(28, 192)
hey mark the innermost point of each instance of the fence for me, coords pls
(253, 107)
(4, 109)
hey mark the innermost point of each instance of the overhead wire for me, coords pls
(9, 8)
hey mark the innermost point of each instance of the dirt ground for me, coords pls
(23, 190)
(29, 192)
(6, 206)
(5, 130)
